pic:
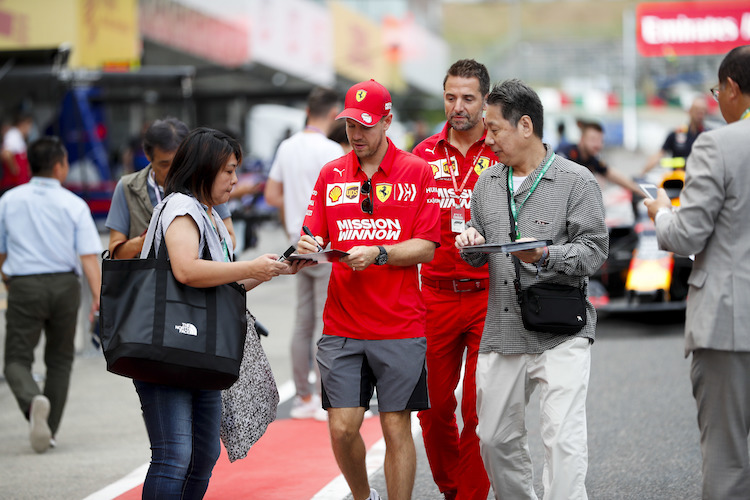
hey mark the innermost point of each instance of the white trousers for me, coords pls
(504, 386)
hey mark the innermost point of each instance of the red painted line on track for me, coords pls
(292, 461)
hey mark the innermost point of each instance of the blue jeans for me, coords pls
(183, 427)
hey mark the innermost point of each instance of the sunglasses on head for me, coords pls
(366, 204)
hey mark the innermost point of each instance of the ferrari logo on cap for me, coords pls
(384, 192)
(360, 95)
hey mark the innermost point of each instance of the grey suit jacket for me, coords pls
(713, 222)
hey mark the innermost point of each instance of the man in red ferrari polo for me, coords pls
(380, 205)
(454, 292)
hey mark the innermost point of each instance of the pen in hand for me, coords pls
(309, 233)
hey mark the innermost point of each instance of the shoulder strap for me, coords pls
(163, 254)
(516, 263)
(152, 250)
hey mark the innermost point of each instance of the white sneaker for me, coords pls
(39, 433)
(307, 409)
(321, 415)
(373, 495)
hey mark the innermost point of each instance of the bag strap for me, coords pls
(516, 262)
(163, 253)
(152, 250)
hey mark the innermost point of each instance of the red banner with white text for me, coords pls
(692, 28)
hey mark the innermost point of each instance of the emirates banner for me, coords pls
(692, 28)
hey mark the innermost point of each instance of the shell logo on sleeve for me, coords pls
(441, 168)
(335, 194)
(342, 192)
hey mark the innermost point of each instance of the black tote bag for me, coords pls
(158, 330)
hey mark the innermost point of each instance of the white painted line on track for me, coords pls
(119, 487)
(127, 483)
(339, 489)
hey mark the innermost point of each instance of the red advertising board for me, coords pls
(692, 28)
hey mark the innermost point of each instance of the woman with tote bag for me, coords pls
(183, 423)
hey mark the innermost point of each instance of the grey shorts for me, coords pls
(350, 369)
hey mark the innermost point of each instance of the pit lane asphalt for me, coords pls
(643, 436)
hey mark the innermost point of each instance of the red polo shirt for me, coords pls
(380, 302)
(447, 263)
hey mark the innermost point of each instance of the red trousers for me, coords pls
(454, 324)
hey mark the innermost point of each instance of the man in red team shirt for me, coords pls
(454, 292)
(380, 205)
(15, 168)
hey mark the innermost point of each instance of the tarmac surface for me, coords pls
(102, 437)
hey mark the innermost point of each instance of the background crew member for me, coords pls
(679, 142)
(554, 199)
(586, 153)
(290, 182)
(15, 168)
(380, 205)
(138, 193)
(713, 224)
(44, 231)
(454, 292)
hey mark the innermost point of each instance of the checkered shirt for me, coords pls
(567, 208)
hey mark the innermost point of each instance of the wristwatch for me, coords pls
(382, 257)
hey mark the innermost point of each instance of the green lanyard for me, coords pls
(745, 115)
(515, 209)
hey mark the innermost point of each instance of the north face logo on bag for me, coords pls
(187, 329)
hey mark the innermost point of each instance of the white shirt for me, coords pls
(14, 141)
(44, 228)
(297, 165)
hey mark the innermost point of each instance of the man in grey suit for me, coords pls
(713, 222)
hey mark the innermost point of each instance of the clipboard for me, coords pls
(331, 255)
(509, 247)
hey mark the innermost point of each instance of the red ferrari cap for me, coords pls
(366, 102)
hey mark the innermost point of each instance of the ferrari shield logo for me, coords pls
(384, 192)
(482, 165)
(360, 95)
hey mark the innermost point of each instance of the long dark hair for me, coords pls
(198, 160)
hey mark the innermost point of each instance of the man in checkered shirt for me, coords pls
(555, 199)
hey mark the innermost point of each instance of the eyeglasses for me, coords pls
(366, 190)
(715, 93)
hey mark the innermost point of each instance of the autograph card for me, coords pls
(324, 256)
